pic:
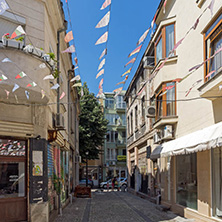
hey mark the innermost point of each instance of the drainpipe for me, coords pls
(58, 91)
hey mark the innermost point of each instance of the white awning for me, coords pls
(200, 140)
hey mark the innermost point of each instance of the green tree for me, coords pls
(92, 125)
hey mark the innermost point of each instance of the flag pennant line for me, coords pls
(20, 75)
(135, 51)
(131, 61)
(102, 39)
(104, 52)
(71, 49)
(143, 36)
(68, 37)
(128, 71)
(76, 78)
(16, 86)
(105, 4)
(100, 83)
(104, 21)
(102, 63)
(62, 95)
(18, 31)
(101, 72)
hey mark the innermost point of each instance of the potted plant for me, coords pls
(15, 43)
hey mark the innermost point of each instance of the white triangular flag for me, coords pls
(7, 93)
(102, 63)
(76, 67)
(102, 39)
(103, 53)
(43, 93)
(56, 86)
(16, 86)
(77, 78)
(104, 21)
(220, 87)
(42, 66)
(6, 60)
(48, 77)
(105, 4)
(27, 94)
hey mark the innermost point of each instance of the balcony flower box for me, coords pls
(33, 50)
(13, 43)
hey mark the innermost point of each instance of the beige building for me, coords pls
(39, 151)
(184, 134)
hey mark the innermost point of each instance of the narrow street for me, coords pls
(115, 206)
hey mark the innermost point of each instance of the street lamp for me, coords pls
(87, 153)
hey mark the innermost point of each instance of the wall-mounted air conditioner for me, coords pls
(148, 61)
(156, 137)
(168, 132)
(151, 111)
(59, 123)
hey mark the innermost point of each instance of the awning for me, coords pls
(156, 152)
(200, 140)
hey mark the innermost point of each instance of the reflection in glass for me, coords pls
(12, 180)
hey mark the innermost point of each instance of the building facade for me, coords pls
(115, 142)
(39, 151)
(182, 106)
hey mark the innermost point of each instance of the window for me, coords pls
(164, 42)
(120, 103)
(131, 122)
(128, 125)
(213, 42)
(123, 134)
(186, 187)
(124, 152)
(143, 109)
(112, 118)
(109, 103)
(123, 118)
(136, 117)
(111, 136)
(217, 182)
(165, 102)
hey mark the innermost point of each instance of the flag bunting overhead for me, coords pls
(135, 51)
(104, 52)
(6, 60)
(131, 61)
(16, 86)
(62, 95)
(56, 86)
(48, 77)
(68, 37)
(3, 77)
(33, 84)
(104, 21)
(76, 78)
(101, 72)
(143, 37)
(43, 93)
(71, 49)
(27, 94)
(18, 31)
(118, 89)
(20, 75)
(7, 93)
(77, 84)
(102, 63)
(128, 71)
(105, 4)
(102, 39)
(100, 83)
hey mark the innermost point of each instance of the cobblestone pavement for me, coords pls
(115, 207)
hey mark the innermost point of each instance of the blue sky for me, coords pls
(128, 21)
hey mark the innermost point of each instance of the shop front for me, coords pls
(13, 179)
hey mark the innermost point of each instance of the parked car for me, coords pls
(123, 182)
(83, 182)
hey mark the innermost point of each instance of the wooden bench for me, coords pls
(82, 192)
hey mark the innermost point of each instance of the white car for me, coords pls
(123, 181)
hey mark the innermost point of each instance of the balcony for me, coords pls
(166, 120)
(210, 89)
(28, 63)
(121, 143)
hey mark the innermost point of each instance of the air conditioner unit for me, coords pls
(156, 137)
(168, 132)
(59, 123)
(151, 111)
(148, 61)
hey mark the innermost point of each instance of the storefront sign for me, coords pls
(121, 158)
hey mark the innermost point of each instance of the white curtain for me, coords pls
(169, 39)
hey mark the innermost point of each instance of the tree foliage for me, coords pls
(92, 125)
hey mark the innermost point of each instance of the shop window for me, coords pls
(166, 100)
(186, 186)
(213, 42)
(217, 182)
(12, 179)
(164, 42)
